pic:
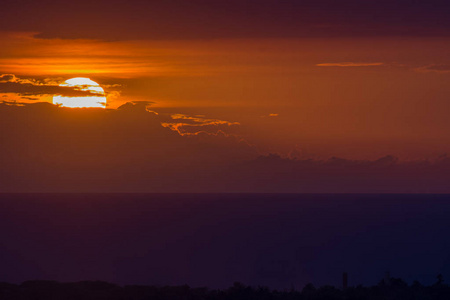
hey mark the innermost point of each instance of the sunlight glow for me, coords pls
(82, 84)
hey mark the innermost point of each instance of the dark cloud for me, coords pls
(45, 147)
(179, 19)
(9, 83)
(273, 173)
(49, 148)
(30, 98)
(7, 78)
(35, 90)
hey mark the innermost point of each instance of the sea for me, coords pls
(281, 241)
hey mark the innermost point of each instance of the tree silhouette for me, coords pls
(397, 289)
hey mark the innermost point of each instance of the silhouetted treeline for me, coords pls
(90, 290)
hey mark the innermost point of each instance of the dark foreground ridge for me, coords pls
(394, 288)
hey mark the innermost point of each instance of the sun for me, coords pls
(82, 84)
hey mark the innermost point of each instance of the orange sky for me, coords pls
(354, 97)
(197, 88)
(358, 79)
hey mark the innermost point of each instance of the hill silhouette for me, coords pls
(392, 289)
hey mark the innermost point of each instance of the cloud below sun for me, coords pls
(46, 148)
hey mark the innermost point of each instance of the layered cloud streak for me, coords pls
(9, 83)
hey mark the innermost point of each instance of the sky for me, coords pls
(227, 96)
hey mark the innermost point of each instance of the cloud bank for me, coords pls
(46, 148)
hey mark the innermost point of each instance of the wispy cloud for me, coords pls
(187, 125)
(351, 64)
(438, 68)
(270, 115)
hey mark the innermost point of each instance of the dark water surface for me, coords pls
(215, 239)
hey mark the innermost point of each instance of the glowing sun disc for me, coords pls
(82, 84)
